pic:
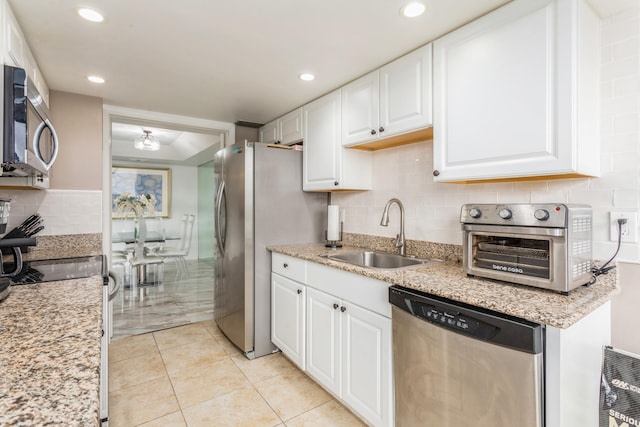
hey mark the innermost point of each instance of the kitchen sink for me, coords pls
(379, 260)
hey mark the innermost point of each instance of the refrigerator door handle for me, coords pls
(220, 237)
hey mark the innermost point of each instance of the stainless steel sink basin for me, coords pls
(379, 260)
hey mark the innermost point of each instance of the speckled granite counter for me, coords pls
(65, 246)
(50, 337)
(447, 280)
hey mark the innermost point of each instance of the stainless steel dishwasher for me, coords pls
(458, 365)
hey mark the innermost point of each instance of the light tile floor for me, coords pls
(192, 376)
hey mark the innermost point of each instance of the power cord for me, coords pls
(604, 269)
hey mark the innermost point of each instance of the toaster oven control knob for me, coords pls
(505, 214)
(541, 214)
(475, 213)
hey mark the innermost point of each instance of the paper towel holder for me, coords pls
(333, 243)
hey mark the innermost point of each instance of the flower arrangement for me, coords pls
(139, 205)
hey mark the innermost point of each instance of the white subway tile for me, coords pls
(626, 198)
(625, 123)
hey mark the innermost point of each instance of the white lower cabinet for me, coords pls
(324, 328)
(337, 327)
(349, 353)
(288, 317)
(366, 364)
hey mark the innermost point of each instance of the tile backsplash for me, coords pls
(63, 211)
(433, 209)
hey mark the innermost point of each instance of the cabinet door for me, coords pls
(14, 44)
(288, 317)
(322, 156)
(290, 127)
(511, 111)
(269, 132)
(323, 339)
(366, 364)
(360, 107)
(405, 93)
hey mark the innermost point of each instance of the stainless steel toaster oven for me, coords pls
(542, 245)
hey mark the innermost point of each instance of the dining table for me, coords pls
(139, 259)
(128, 237)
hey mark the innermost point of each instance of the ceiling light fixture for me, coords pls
(96, 79)
(147, 142)
(413, 9)
(307, 77)
(91, 15)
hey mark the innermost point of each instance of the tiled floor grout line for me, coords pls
(173, 389)
(253, 378)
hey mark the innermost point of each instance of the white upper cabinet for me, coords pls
(290, 127)
(392, 100)
(286, 130)
(16, 51)
(269, 133)
(327, 165)
(516, 94)
(360, 112)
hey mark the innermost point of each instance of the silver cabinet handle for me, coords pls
(343, 309)
(335, 306)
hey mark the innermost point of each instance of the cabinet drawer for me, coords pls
(293, 268)
(368, 293)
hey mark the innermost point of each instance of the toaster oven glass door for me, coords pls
(516, 255)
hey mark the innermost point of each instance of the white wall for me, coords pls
(432, 210)
(624, 309)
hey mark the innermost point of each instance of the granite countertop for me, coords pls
(446, 279)
(50, 343)
(64, 246)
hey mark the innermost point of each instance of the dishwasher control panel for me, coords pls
(453, 320)
(474, 322)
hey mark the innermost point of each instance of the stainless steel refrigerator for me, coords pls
(259, 202)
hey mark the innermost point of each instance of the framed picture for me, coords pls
(139, 181)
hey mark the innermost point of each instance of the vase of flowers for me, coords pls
(137, 207)
(126, 204)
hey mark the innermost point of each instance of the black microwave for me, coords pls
(30, 143)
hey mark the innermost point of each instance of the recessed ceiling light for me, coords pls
(91, 15)
(413, 9)
(307, 77)
(95, 79)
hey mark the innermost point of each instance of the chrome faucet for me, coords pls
(385, 222)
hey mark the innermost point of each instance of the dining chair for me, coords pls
(142, 259)
(121, 260)
(178, 254)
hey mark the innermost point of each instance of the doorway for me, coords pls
(171, 295)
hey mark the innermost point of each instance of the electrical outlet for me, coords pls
(629, 230)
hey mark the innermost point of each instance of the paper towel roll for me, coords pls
(333, 223)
